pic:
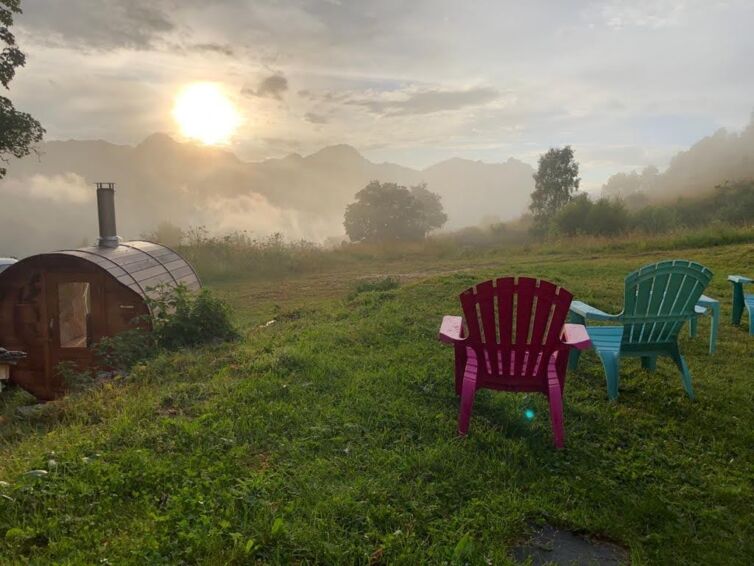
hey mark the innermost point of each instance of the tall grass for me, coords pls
(217, 258)
(238, 255)
(681, 238)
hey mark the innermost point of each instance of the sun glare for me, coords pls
(205, 113)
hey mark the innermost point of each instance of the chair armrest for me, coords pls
(739, 279)
(451, 330)
(576, 336)
(588, 312)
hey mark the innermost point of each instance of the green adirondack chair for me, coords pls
(659, 299)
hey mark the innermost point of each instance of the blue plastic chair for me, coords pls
(659, 299)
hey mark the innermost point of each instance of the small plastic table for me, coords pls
(710, 306)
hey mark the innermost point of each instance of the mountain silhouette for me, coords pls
(189, 184)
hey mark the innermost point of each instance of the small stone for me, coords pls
(37, 473)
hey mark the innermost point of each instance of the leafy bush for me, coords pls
(179, 319)
(605, 217)
(731, 204)
(735, 202)
(572, 218)
(122, 351)
(655, 219)
(182, 318)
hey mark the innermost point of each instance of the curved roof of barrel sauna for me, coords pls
(141, 266)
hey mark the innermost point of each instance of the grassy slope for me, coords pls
(329, 437)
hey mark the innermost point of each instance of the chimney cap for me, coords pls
(105, 185)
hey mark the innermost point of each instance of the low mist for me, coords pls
(713, 160)
(50, 196)
(49, 200)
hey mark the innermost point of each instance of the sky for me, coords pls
(627, 84)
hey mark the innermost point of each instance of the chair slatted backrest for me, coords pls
(660, 298)
(515, 323)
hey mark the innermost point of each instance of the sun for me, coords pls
(205, 113)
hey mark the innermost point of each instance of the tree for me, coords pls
(555, 181)
(18, 130)
(390, 212)
(431, 206)
(605, 217)
(608, 217)
(167, 234)
(572, 218)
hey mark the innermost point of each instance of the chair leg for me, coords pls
(750, 310)
(460, 366)
(555, 396)
(573, 358)
(714, 325)
(611, 363)
(685, 373)
(693, 324)
(649, 363)
(467, 402)
(738, 304)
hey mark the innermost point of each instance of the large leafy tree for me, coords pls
(431, 206)
(387, 211)
(18, 130)
(555, 182)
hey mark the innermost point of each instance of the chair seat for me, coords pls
(605, 338)
(505, 365)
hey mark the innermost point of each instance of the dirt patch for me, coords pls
(555, 546)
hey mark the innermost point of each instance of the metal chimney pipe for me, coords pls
(108, 235)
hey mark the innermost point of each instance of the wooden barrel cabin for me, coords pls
(55, 306)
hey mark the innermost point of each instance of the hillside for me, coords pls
(50, 199)
(713, 160)
(328, 436)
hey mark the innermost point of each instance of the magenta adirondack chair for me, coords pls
(516, 339)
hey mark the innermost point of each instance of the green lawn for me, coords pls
(329, 437)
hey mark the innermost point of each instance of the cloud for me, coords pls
(109, 69)
(273, 86)
(99, 24)
(65, 188)
(652, 14)
(428, 101)
(315, 118)
(220, 48)
(255, 214)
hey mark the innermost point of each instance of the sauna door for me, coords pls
(75, 309)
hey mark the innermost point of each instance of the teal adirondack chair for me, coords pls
(659, 299)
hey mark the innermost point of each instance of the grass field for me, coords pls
(328, 436)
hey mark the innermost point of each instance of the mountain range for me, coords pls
(49, 197)
(47, 201)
